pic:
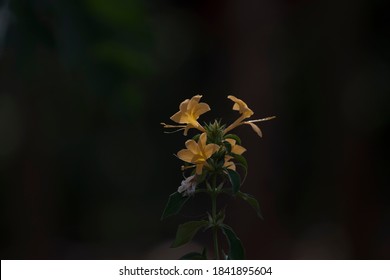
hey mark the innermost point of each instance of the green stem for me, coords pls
(215, 238)
(214, 216)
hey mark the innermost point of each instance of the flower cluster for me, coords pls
(215, 150)
(212, 157)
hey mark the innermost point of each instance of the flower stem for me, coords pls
(215, 238)
(214, 216)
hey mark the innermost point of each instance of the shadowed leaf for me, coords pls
(236, 250)
(240, 159)
(174, 204)
(187, 231)
(252, 202)
(235, 180)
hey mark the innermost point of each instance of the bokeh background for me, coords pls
(85, 168)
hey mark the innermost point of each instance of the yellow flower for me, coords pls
(236, 149)
(245, 112)
(190, 110)
(241, 106)
(198, 153)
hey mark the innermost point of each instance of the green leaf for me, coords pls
(187, 231)
(236, 250)
(252, 202)
(235, 180)
(240, 159)
(228, 146)
(174, 204)
(234, 137)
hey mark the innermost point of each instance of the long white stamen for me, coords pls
(261, 120)
(181, 127)
(171, 126)
(187, 167)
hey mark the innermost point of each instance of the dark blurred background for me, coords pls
(86, 170)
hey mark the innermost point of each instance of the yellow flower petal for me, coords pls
(193, 102)
(185, 155)
(183, 106)
(195, 99)
(210, 149)
(238, 150)
(232, 142)
(201, 109)
(202, 139)
(179, 117)
(198, 159)
(192, 146)
(241, 106)
(199, 168)
(255, 128)
(228, 164)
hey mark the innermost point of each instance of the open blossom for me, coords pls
(245, 112)
(198, 152)
(241, 107)
(188, 186)
(236, 149)
(190, 110)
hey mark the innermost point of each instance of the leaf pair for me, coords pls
(187, 231)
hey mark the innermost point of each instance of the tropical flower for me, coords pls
(188, 186)
(198, 152)
(245, 112)
(236, 149)
(190, 110)
(241, 107)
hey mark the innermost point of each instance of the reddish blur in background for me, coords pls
(85, 168)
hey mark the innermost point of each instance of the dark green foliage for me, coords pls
(236, 250)
(251, 201)
(187, 231)
(234, 179)
(240, 159)
(174, 204)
